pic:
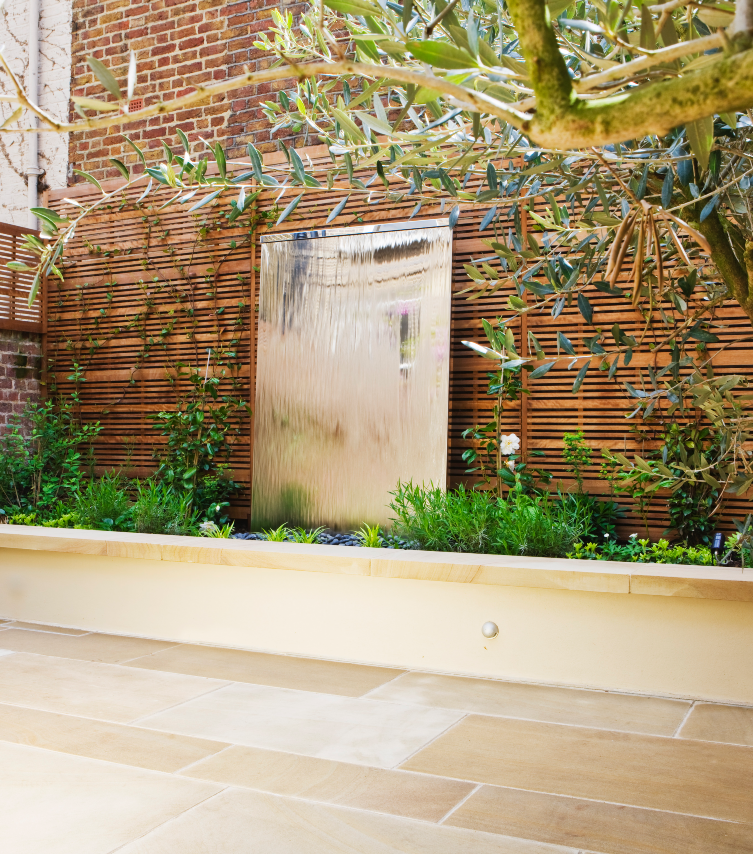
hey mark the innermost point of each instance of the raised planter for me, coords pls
(648, 628)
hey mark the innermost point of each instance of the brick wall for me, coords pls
(177, 42)
(20, 372)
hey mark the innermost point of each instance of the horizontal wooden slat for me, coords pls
(21, 325)
(15, 313)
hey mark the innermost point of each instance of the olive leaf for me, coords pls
(105, 77)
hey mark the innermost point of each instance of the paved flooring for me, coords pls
(116, 744)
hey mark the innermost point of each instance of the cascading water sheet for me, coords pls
(352, 371)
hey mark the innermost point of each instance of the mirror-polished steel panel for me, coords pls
(352, 371)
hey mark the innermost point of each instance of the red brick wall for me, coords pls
(178, 42)
(20, 370)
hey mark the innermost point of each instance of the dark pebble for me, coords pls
(388, 542)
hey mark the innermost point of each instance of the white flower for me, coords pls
(509, 444)
(511, 465)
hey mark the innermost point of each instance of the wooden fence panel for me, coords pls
(15, 287)
(122, 397)
(146, 294)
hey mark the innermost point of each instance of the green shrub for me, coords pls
(462, 520)
(200, 432)
(159, 509)
(577, 455)
(601, 515)
(212, 529)
(465, 520)
(278, 535)
(213, 494)
(643, 551)
(301, 535)
(41, 457)
(692, 513)
(61, 517)
(104, 504)
(22, 519)
(740, 544)
(370, 536)
(538, 526)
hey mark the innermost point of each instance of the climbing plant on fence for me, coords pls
(154, 309)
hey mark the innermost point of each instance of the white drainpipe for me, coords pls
(32, 85)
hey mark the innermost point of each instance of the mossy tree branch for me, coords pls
(545, 64)
(563, 121)
(737, 273)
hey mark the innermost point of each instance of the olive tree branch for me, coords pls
(561, 119)
(471, 99)
(654, 108)
(629, 70)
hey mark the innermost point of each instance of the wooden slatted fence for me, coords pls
(104, 289)
(15, 313)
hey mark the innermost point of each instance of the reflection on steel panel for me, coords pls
(352, 371)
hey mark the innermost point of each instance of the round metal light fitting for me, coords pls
(490, 630)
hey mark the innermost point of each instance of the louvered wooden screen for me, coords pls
(121, 398)
(15, 313)
(135, 327)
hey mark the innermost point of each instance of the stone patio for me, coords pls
(121, 744)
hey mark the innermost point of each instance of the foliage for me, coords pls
(701, 460)
(213, 494)
(22, 518)
(691, 514)
(160, 315)
(516, 471)
(161, 509)
(641, 551)
(504, 385)
(641, 480)
(300, 535)
(278, 535)
(62, 519)
(461, 520)
(577, 455)
(538, 526)
(199, 435)
(473, 521)
(608, 470)
(59, 518)
(41, 457)
(519, 473)
(488, 444)
(104, 504)
(505, 105)
(471, 49)
(741, 543)
(601, 516)
(370, 536)
(212, 529)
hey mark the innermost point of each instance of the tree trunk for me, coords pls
(736, 272)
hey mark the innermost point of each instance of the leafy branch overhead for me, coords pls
(507, 62)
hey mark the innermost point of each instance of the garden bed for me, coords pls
(675, 630)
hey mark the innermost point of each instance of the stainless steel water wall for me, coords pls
(352, 370)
